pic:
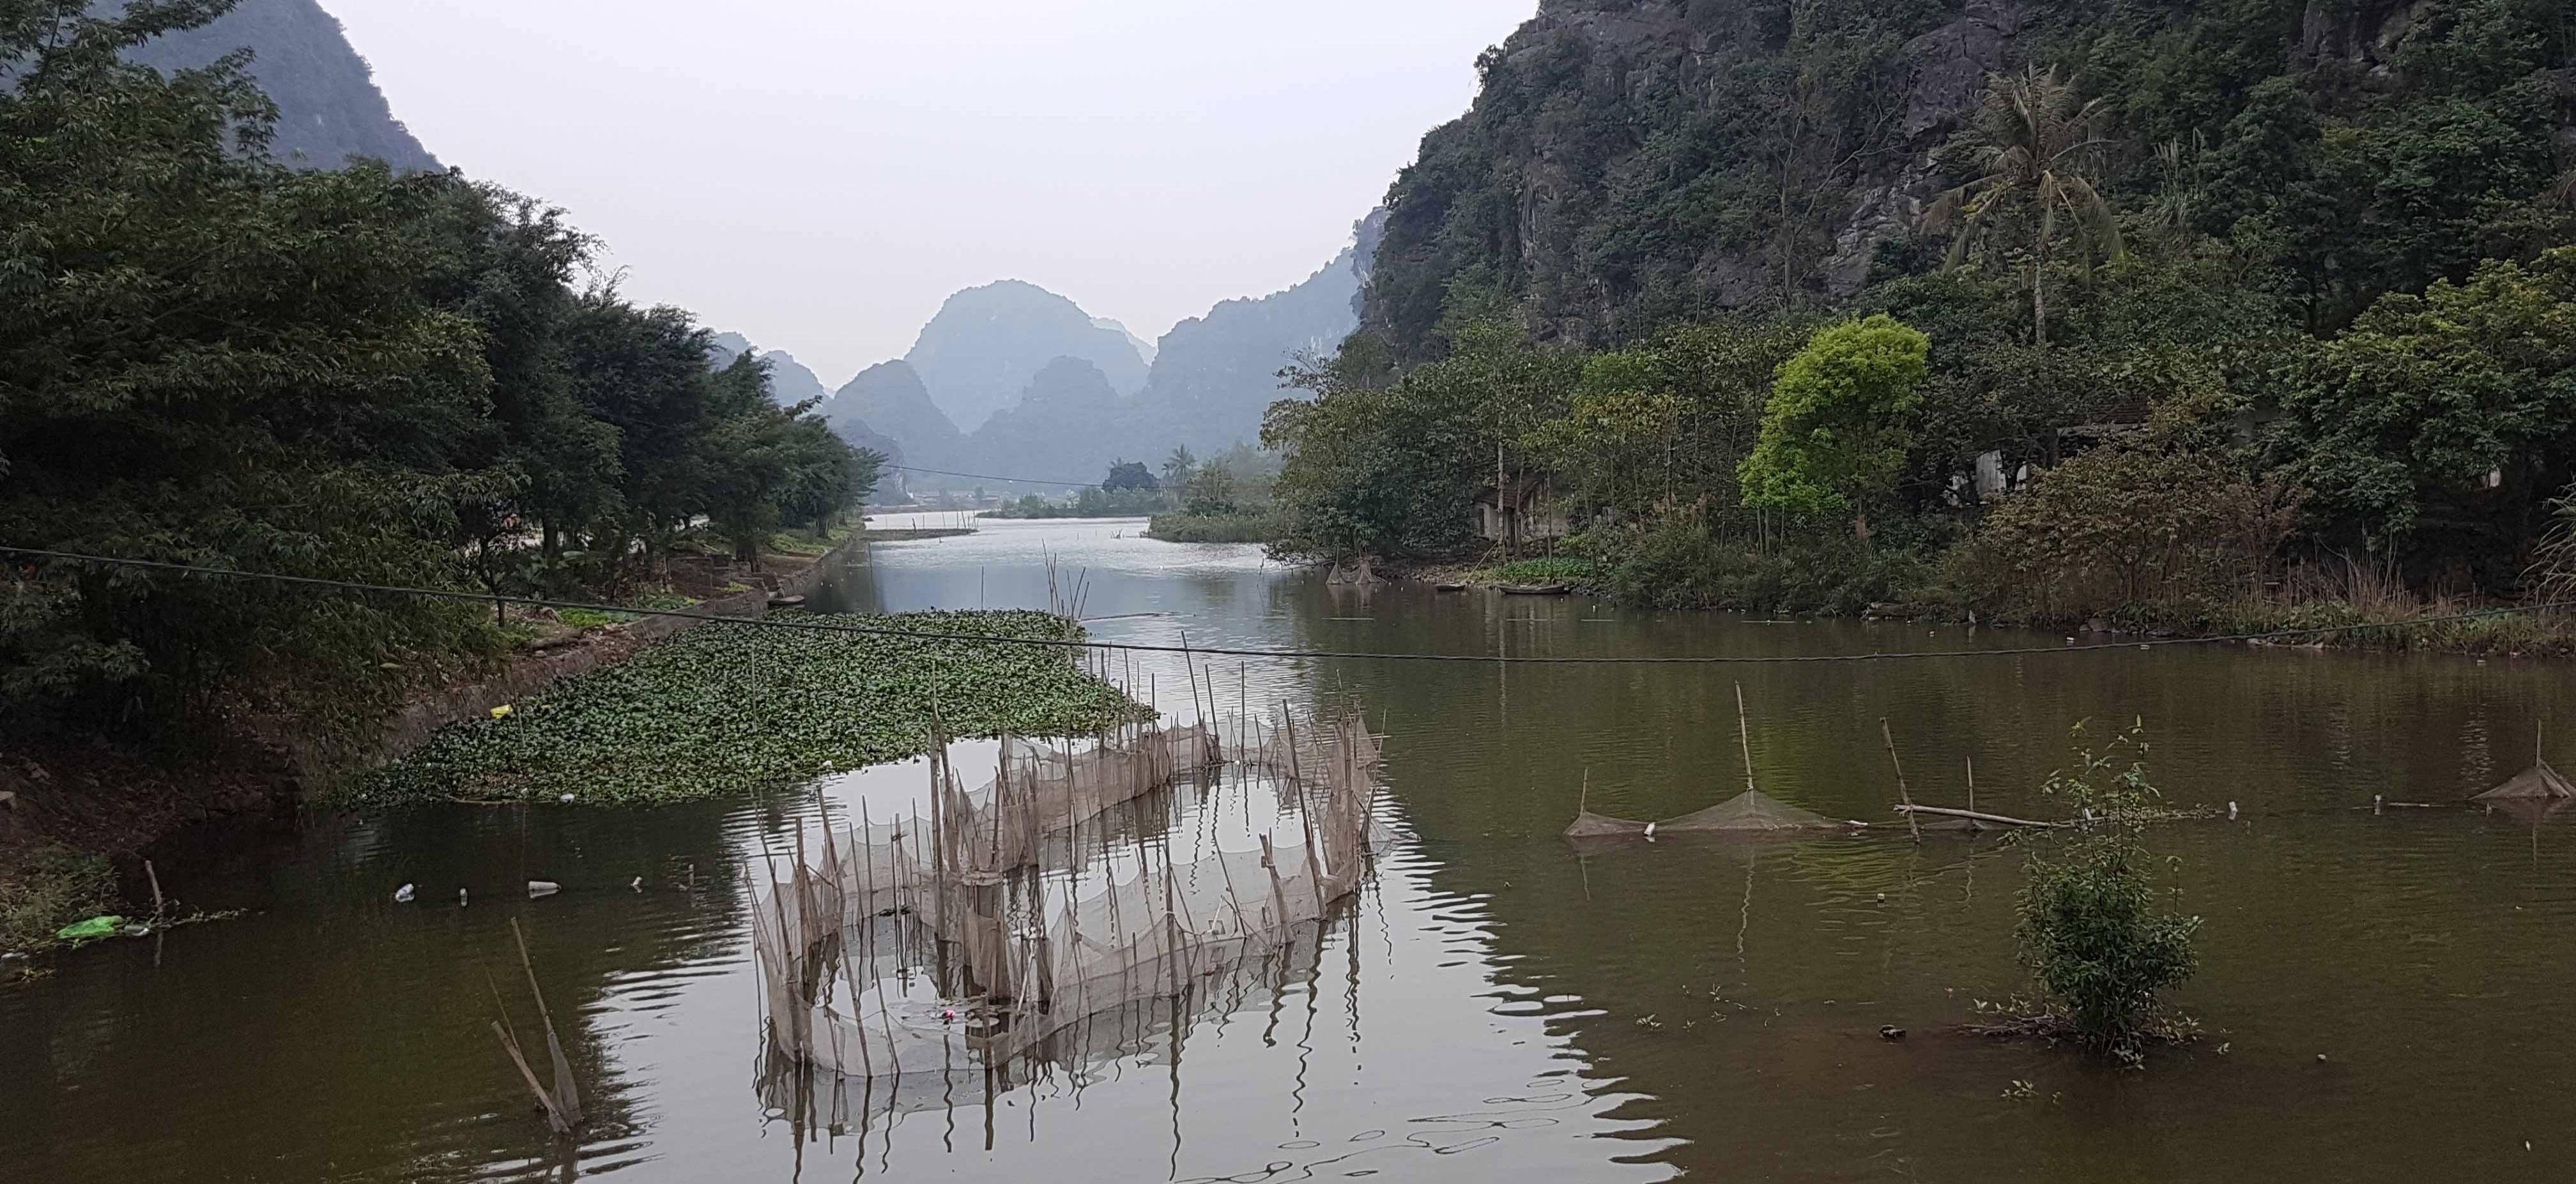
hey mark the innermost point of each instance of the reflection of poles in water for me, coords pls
(1971, 861)
(1178, 1032)
(1752, 856)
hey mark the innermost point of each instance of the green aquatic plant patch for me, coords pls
(727, 709)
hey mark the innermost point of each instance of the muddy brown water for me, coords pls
(2385, 993)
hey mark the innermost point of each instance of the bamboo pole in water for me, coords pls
(1744, 733)
(1903, 794)
(1974, 816)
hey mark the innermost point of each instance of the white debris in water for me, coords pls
(402, 895)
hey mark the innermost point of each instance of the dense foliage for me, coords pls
(209, 358)
(1833, 435)
(723, 709)
(2300, 273)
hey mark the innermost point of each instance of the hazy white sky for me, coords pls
(819, 174)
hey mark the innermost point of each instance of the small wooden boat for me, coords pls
(1450, 587)
(786, 602)
(1536, 590)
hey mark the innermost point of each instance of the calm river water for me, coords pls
(2384, 993)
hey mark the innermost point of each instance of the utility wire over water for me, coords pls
(1287, 654)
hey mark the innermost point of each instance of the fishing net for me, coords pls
(996, 925)
(1750, 811)
(2537, 783)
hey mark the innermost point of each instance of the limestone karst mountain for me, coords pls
(329, 109)
(981, 350)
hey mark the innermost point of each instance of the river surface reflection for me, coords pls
(1499, 1005)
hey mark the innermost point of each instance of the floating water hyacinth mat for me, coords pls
(727, 709)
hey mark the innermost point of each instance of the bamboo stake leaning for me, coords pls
(562, 1103)
(1744, 732)
(1903, 794)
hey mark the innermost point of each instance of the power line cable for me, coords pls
(1312, 655)
(991, 477)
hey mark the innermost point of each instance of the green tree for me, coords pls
(2443, 423)
(1130, 474)
(1833, 436)
(1178, 467)
(208, 359)
(2037, 155)
(1386, 468)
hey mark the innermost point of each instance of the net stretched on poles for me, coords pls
(1751, 810)
(1003, 923)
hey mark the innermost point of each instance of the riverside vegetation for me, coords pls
(349, 374)
(210, 358)
(2207, 321)
(728, 709)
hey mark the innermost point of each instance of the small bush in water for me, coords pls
(2090, 930)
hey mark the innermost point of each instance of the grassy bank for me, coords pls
(45, 886)
(1213, 528)
(725, 709)
(1581, 575)
(1840, 578)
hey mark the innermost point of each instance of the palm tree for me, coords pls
(2037, 149)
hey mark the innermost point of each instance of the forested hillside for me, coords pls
(2287, 277)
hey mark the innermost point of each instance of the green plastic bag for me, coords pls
(92, 928)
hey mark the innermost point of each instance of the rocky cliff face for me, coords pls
(1629, 163)
(985, 345)
(329, 109)
(1633, 161)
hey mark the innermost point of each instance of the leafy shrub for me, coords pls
(2090, 931)
(1549, 570)
(1195, 527)
(1678, 561)
(2119, 527)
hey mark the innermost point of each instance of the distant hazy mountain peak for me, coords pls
(790, 381)
(987, 342)
(1144, 348)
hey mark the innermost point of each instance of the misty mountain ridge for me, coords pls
(328, 108)
(790, 381)
(985, 345)
(1212, 379)
(889, 399)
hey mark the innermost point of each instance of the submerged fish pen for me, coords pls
(1006, 923)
